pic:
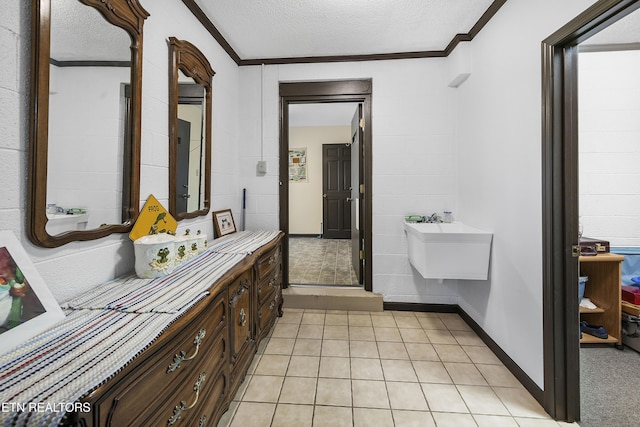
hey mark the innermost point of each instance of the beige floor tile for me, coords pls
(392, 350)
(262, 346)
(465, 374)
(444, 398)
(387, 334)
(431, 372)
(366, 369)
(498, 376)
(408, 322)
(311, 331)
(303, 366)
(243, 388)
(537, 422)
(285, 330)
(290, 316)
(482, 400)
(361, 333)
(414, 335)
(444, 419)
(335, 367)
(360, 319)
(467, 338)
(419, 351)
(431, 323)
(440, 336)
(402, 313)
(332, 416)
(337, 348)
(384, 321)
(406, 396)
(381, 313)
(253, 414)
(313, 318)
(369, 394)
(451, 353)
(398, 370)
(366, 349)
(337, 332)
(307, 347)
(481, 355)
(272, 364)
(422, 314)
(367, 417)
(455, 323)
(293, 415)
(254, 364)
(333, 392)
(520, 403)
(299, 390)
(263, 388)
(282, 346)
(494, 421)
(335, 319)
(412, 418)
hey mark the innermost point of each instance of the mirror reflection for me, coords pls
(191, 78)
(191, 148)
(89, 96)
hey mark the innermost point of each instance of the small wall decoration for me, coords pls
(27, 307)
(153, 219)
(298, 164)
(223, 222)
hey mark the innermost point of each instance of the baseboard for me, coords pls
(512, 366)
(304, 235)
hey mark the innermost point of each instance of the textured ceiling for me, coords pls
(302, 28)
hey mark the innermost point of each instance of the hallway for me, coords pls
(357, 368)
(314, 261)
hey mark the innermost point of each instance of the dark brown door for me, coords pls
(336, 191)
(356, 202)
(182, 182)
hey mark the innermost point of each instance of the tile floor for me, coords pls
(354, 368)
(320, 261)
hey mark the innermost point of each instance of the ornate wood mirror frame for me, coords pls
(191, 62)
(129, 16)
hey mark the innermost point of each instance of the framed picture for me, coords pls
(223, 222)
(298, 164)
(27, 307)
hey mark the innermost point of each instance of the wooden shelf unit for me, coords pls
(603, 289)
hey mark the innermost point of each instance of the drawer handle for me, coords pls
(182, 356)
(203, 421)
(177, 411)
(243, 318)
(273, 258)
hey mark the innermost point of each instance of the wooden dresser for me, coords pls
(188, 376)
(170, 351)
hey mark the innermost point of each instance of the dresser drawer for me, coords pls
(269, 261)
(268, 285)
(267, 314)
(206, 384)
(201, 343)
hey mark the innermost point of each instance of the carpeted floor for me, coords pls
(316, 261)
(609, 387)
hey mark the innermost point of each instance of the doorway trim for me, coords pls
(560, 203)
(324, 92)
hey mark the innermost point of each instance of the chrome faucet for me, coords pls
(433, 218)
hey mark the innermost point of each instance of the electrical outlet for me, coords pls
(262, 166)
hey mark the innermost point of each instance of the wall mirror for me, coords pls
(190, 80)
(85, 128)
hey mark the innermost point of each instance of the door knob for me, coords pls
(324, 195)
(348, 199)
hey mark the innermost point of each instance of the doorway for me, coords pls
(358, 203)
(560, 203)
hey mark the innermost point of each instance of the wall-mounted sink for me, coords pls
(449, 250)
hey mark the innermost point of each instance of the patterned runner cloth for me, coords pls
(241, 242)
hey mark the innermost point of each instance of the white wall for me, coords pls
(79, 266)
(414, 166)
(609, 145)
(305, 198)
(499, 137)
